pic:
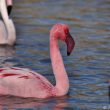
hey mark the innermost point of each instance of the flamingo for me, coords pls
(24, 82)
(7, 29)
(9, 6)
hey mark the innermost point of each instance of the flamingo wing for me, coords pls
(24, 82)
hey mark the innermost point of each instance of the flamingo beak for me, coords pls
(9, 8)
(70, 44)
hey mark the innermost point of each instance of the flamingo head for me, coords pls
(9, 6)
(61, 31)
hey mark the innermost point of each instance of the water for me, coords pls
(89, 65)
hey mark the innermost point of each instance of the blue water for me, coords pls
(89, 65)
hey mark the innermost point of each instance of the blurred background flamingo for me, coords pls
(7, 28)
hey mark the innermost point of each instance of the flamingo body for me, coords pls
(24, 83)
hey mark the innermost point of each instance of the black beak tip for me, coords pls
(9, 8)
(68, 53)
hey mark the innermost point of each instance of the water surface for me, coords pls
(89, 65)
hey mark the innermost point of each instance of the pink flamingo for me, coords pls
(7, 28)
(9, 5)
(27, 83)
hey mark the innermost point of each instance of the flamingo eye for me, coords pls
(66, 31)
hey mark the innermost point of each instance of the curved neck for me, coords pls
(62, 82)
(8, 23)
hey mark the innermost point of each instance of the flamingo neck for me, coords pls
(10, 29)
(62, 82)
